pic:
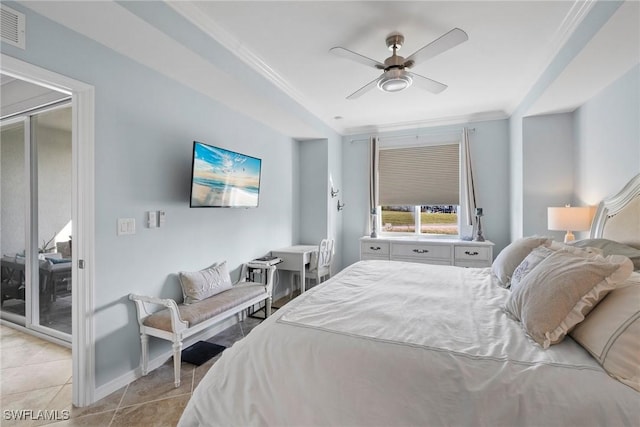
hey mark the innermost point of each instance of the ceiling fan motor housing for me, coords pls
(395, 41)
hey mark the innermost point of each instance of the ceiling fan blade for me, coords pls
(349, 54)
(436, 47)
(364, 88)
(426, 83)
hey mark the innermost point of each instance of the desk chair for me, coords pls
(319, 267)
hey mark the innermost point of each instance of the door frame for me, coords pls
(82, 216)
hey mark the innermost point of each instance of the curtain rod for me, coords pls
(416, 136)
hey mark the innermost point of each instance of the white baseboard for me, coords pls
(123, 380)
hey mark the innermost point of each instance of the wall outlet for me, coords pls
(161, 218)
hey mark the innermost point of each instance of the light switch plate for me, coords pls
(126, 226)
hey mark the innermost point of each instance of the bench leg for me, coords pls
(268, 303)
(177, 360)
(144, 357)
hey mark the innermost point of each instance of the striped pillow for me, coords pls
(611, 332)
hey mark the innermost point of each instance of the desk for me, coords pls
(294, 258)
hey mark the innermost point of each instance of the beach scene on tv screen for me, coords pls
(224, 178)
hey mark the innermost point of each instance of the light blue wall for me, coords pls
(591, 24)
(336, 219)
(144, 127)
(490, 156)
(314, 179)
(547, 169)
(607, 132)
(320, 164)
(581, 157)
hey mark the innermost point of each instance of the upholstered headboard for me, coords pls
(618, 217)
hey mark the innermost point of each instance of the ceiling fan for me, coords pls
(396, 76)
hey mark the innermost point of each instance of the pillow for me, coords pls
(540, 253)
(556, 294)
(206, 283)
(611, 332)
(58, 260)
(534, 258)
(510, 257)
(610, 247)
(586, 250)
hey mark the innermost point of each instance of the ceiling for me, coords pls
(20, 96)
(510, 44)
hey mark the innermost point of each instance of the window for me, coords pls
(419, 189)
(429, 219)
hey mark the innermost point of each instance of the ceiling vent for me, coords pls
(13, 24)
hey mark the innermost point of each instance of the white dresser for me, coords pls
(429, 251)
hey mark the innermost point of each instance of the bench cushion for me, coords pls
(206, 309)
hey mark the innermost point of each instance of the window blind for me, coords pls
(425, 175)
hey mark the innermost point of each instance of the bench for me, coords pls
(176, 321)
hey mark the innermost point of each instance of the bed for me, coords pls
(390, 343)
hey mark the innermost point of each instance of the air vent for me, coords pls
(13, 23)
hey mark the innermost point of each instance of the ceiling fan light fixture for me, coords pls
(394, 81)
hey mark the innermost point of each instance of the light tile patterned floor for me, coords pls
(36, 376)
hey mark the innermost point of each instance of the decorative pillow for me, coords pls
(586, 250)
(206, 283)
(556, 294)
(541, 252)
(534, 258)
(510, 257)
(610, 247)
(58, 260)
(611, 332)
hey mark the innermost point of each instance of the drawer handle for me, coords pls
(375, 248)
(471, 253)
(421, 251)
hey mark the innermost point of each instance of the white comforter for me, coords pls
(399, 344)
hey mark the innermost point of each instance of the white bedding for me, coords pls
(401, 344)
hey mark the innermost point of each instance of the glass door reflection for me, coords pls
(13, 199)
(36, 229)
(51, 135)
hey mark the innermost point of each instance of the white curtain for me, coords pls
(373, 179)
(469, 192)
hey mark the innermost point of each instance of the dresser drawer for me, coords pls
(433, 261)
(420, 251)
(378, 249)
(473, 253)
(474, 264)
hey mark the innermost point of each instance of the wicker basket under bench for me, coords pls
(179, 321)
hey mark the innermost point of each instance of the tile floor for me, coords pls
(57, 316)
(36, 376)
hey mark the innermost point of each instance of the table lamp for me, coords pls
(569, 219)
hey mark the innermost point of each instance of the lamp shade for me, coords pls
(569, 218)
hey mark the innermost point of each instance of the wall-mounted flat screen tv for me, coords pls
(223, 179)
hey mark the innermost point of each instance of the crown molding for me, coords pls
(567, 27)
(192, 13)
(446, 121)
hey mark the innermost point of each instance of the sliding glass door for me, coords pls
(36, 220)
(13, 222)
